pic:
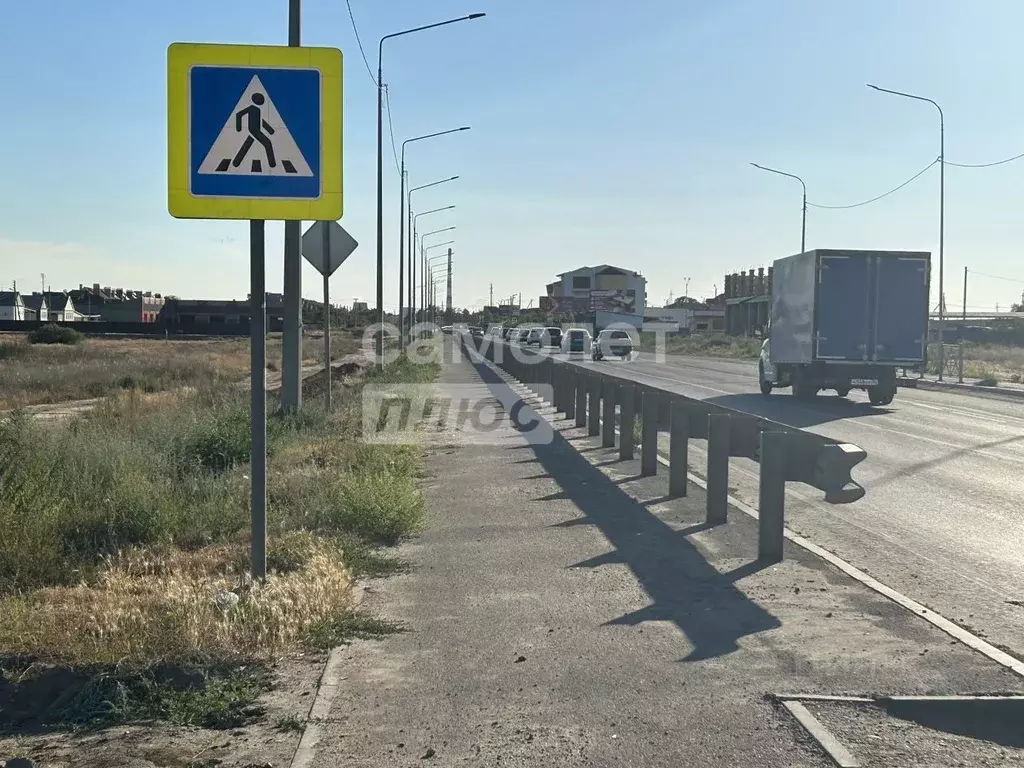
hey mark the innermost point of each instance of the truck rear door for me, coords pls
(901, 309)
(841, 308)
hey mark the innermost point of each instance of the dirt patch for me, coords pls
(343, 374)
(267, 737)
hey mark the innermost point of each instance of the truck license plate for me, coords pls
(864, 382)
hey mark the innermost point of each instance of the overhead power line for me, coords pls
(355, 30)
(986, 165)
(913, 178)
(995, 277)
(391, 127)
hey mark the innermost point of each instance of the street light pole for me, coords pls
(401, 233)
(416, 221)
(380, 167)
(942, 212)
(803, 218)
(428, 269)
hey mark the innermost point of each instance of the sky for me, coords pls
(601, 132)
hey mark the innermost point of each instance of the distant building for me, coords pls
(11, 306)
(61, 308)
(38, 305)
(198, 312)
(117, 304)
(603, 288)
(360, 306)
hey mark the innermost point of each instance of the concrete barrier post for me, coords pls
(569, 394)
(679, 449)
(649, 435)
(627, 415)
(718, 469)
(582, 382)
(594, 418)
(771, 497)
(609, 391)
(556, 388)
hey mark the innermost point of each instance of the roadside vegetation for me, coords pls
(986, 364)
(124, 551)
(705, 345)
(54, 364)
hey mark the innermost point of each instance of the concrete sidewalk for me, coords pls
(562, 612)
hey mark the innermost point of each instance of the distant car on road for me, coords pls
(446, 329)
(476, 332)
(576, 340)
(612, 342)
(521, 335)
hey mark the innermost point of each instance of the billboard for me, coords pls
(563, 305)
(617, 300)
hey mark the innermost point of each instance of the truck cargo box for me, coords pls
(850, 306)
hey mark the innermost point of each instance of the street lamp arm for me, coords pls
(782, 173)
(909, 96)
(433, 135)
(432, 184)
(380, 46)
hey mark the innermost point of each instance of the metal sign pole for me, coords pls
(258, 384)
(327, 320)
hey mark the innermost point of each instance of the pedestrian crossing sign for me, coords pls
(254, 132)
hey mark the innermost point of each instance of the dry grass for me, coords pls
(33, 374)
(145, 606)
(705, 345)
(981, 361)
(123, 534)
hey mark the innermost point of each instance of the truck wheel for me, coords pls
(766, 386)
(880, 395)
(842, 391)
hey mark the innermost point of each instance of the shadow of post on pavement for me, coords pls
(683, 587)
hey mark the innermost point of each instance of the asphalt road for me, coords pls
(942, 520)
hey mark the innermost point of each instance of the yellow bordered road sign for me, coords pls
(254, 132)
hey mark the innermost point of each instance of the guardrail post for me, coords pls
(558, 372)
(771, 497)
(569, 393)
(581, 399)
(594, 418)
(678, 451)
(649, 435)
(627, 415)
(718, 469)
(609, 391)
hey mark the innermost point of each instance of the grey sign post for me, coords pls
(326, 245)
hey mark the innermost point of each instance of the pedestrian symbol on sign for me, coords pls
(254, 139)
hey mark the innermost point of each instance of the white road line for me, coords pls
(840, 755)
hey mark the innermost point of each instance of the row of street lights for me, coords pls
(942, 207)
(403, 199)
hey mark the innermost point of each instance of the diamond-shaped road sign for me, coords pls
(340, 245)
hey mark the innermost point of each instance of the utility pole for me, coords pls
(291, 346)
(491, 300)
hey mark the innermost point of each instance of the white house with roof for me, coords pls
(12, 307)
(62, 308)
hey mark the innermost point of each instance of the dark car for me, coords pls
(476, 332)
(612, 342)
(576, 340)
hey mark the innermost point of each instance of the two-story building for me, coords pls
(603, 288)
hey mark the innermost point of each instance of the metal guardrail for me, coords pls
(784, 453)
